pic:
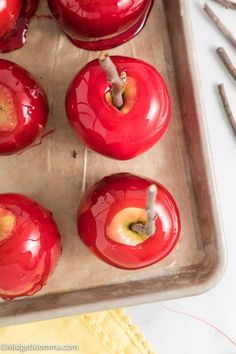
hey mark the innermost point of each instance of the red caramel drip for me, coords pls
(42, 16)
(16, 38)
(39, 142)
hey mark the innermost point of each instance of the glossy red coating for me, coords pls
(30, 105)
(9, 13)
(119, 134)
(29, 255)
(100, 24)
(114, 193)
(14, 22)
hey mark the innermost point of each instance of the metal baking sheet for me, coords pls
(181, 161)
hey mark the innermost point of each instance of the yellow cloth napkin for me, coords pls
(109, 332)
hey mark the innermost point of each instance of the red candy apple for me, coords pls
(14, 21)
(100, 24)
(23, 108)
(128, 221)
(122, 118)
(29, 246)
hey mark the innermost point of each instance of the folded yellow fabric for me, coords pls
(109, 332)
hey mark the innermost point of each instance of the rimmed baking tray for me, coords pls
(181, 161)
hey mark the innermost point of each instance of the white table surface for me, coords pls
(170, 332)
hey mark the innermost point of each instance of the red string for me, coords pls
(48, 17)
(232, 341)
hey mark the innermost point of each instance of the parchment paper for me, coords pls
(51, 175)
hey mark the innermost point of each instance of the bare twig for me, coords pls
(149, 228)
(227, 4)
(227, 108)
(114, 78)
(227, 62)
(224, 30)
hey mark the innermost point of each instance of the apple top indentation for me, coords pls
(7, 223)
(8, 112)
(119, 229)
(129, 96)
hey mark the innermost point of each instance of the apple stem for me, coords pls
(149, 228)
(113, 77)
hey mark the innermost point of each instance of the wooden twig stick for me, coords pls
(149, 228)
(224, 30)
(114, 78)
(227, 4)
(227, 108)
(227, 61)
